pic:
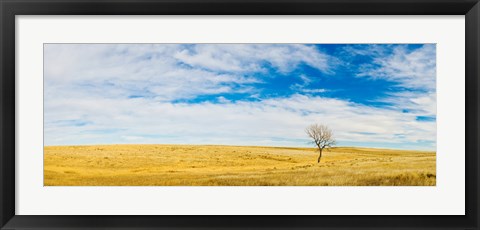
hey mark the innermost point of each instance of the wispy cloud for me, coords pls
(256, 123)
(413, 69)
(303, 86)
(253, 57)
(114, 71)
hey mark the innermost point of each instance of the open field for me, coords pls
(184, 165)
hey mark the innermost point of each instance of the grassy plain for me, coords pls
(204, 165)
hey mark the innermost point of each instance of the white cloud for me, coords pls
(249, 58)
(114, 71)
(278, 121)
(414, 69)
(303, 86)
(417, 103)
(411, 69)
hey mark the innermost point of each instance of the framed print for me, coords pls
(257, 114)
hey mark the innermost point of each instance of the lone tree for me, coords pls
(322, 137)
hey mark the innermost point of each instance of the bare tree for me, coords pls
(322, 137)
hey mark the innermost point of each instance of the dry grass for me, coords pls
(185, 165)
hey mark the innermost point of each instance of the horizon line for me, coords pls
(262, 146)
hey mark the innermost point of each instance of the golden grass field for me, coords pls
(205, 165)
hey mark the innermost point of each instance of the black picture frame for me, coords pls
(10, 8)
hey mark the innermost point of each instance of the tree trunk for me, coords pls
(319, 156)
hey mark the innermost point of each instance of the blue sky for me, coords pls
(372, 95)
